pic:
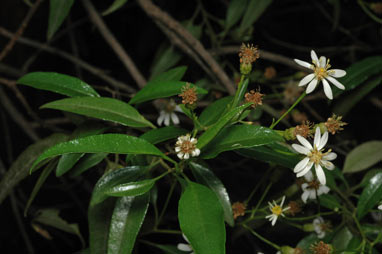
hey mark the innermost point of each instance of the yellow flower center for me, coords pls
(315, 155)
(321, 72)
(277, 210)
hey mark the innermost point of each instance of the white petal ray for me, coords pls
(336, 82)
(174, 118)
(317, 137)
(304, 142)
(306, 79)
(324, 189)
(184, 247)
(305, 170)
(300, 149)
(323, 141)
(322, 61)
(180, 155)
(337, 73)
(327, 89)
(328, 165)
(303, 63)
(320, 174)
(305, 196)
(329, 157)
(186, 156)
(161, 118)
(282, 201)
(301, 165)
(167, 119)
(314, 57)
(312, 85)
(178, 109)
(177, 149)
(274, 219)
(309, 176)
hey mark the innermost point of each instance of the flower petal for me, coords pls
(180, 155)
(314, 57)
(323, 141)
(320, 174)
(336, 82)
(301, 165)
(300, 149)
(178, 109)
(174, 118)
(167, 120)
(327, 164)
(306, 79)
(305, 170)
(274, 219)
(186, 156)
(305, 196)
(195, 153)
(304, 142)
(329, 157)
(282, 201)
(337, 73)
(312, 85)
(184, 247)
(323, 190)
(161, 118)
(317, 137)
(322, 61)
(327, 89)
(303, 63)
(308, 176)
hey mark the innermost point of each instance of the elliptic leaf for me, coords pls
(58, 10)
(102, 108)
(363, 157)
(89, 160)
(156, 136)
(131, 189)
(370, 195)
(58, 83)
(114, 6)
(213, 112)
(66, 162)
(201, 219)
(174, 74)
(235, 11)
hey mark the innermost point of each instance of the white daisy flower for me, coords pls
(314, 155)
(276, 210)
(186, 146)
(321, 227)
(312, 188)
(322, 73)
(185, 247)
(167, 114)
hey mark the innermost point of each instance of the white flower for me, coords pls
(312, 188)
(314, 155)
(320, 226)
(276, 210)
(186, 146)
(185, 247)
(167, 114)
(322, 73)
(380, 207)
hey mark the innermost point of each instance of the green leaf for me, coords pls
(113, 7)
(51, 217)
(99, 221)
(164, 59)
(156, 136)
(207, 177)
(240, 136)
(342, 239)
(370, 195)
(359, 72)
(161, 89)
(89, 160)
(347, 102)
(131, 189)
(66, 162)
(307, 241)
(369, 174)
(114, 178)
(104, 143)
(235, 11)
(210, 133)
(58, 10)
(363, 157)
(126, 221)
(58, 83)
(201, 219)
(254, 10)
(174, 74)
(41, 180)
(108, 109)
(213, 112)
(329, 201)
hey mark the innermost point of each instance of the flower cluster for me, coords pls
(186, 147)
(312, 188)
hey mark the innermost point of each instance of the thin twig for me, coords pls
(114, 44)
(20, 31)
(189, 41)
(92, 69)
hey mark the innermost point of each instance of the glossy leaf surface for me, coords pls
(58, 11)
(66, 162)
(240, 136)
(363, 157)
(370, 195)
(174, 74)
(131, 188)
(207, 177)
(156, 136)
(201, 219)
(126, 221)
(88, 161)
(102, 108)
(213, 112)
(58, 83)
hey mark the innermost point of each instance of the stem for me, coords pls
(289, 110)
(261, 199)
(262, 238)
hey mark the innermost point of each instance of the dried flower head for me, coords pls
(270, 72)
(304, 129)
(186, 146)
(376, 7)
(334, 124)
(188, 94)
(255, 97)
(238, 209)
(248, 53)
(298, 250)
(294, 208)
(321, 248)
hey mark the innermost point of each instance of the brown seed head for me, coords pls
(334, 124)
(188, 94)
(294, 208)
(298, 250)
(270, 72)
(321, 248)
(304, 129)
(255, 97)
(248, 53)
(238, 209)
